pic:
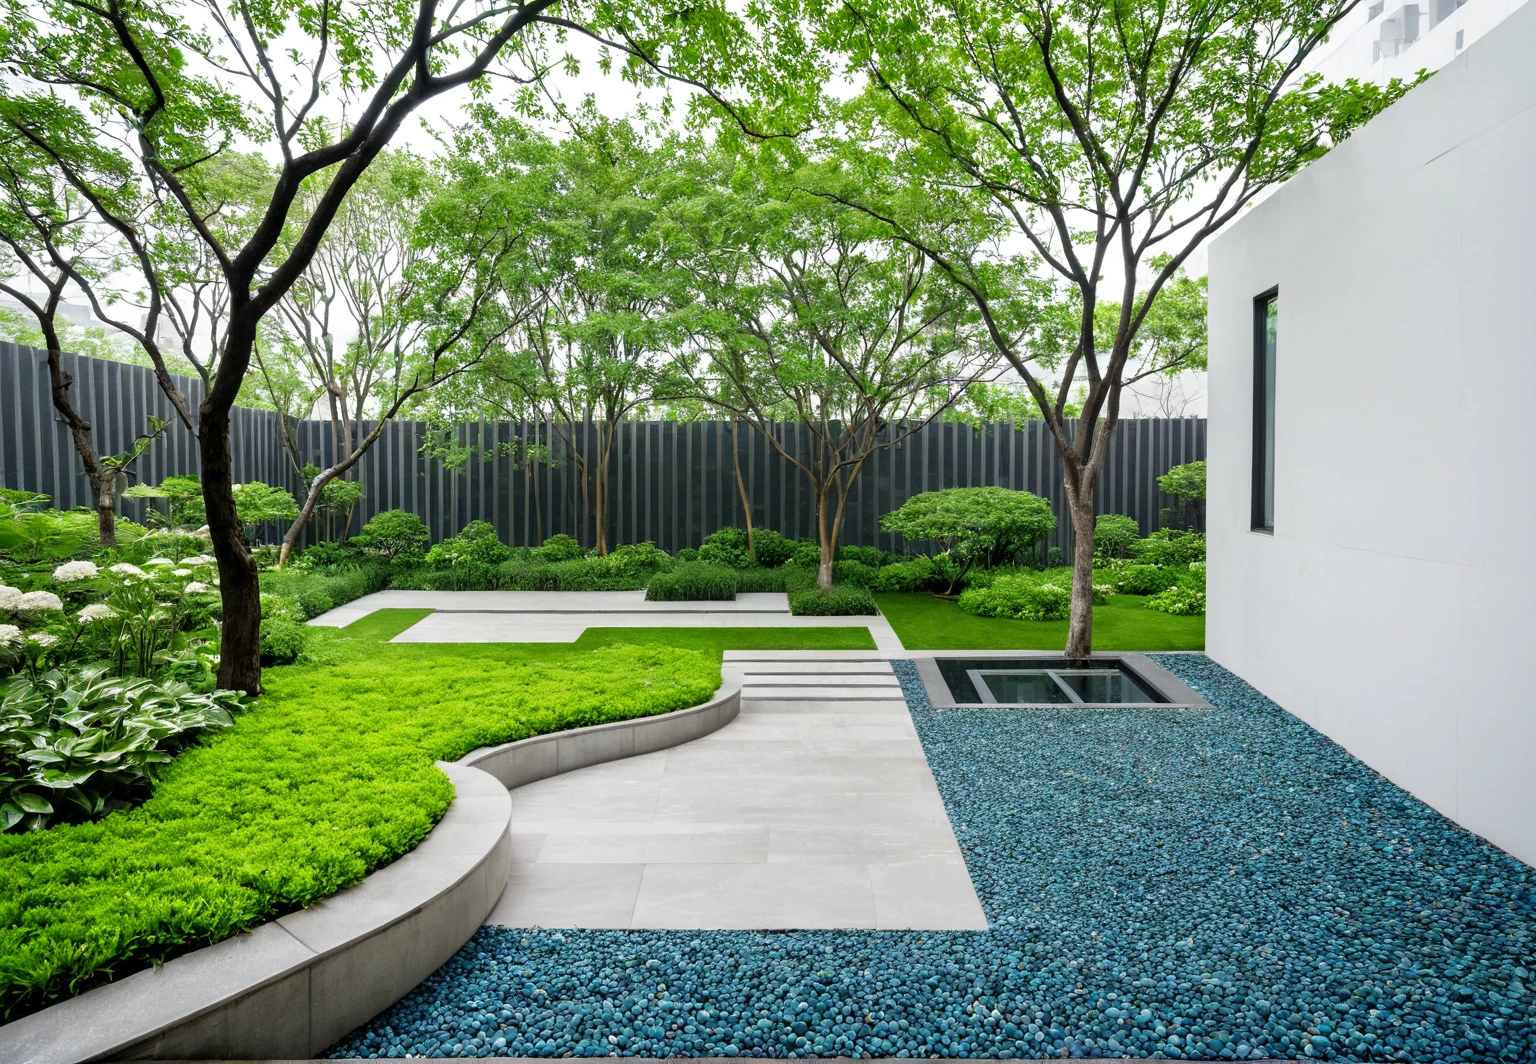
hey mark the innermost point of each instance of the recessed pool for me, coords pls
(1044, 682)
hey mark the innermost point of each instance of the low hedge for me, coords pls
(320, 590)
(843, 600)
(329, 778)
(693, 582)
(760, 580)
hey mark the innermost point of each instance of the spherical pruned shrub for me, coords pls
(1115, 535)
(727, 547)
(770, 548)
(558, 548)
(843, 600)
(637, 560)
(692, 582)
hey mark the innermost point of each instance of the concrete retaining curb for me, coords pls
(295, 985)
(542, 756)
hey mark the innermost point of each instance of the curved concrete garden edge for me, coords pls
(292, 986)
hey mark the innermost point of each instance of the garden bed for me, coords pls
(1195, 884)
(924, 622)
(329, 778)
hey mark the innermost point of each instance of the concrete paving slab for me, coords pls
(812, 811)
(568, 895)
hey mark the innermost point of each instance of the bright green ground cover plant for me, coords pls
(329, 778)
(923, 622)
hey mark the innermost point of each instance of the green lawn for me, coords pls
(330, 776)
(711, 642)
(926, 623)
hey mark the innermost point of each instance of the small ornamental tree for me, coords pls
(972, 524)
(1106, 140)
(1115, 535)
(1187, 481)
(393, 534)
(259, 504)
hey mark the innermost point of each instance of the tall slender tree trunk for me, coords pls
(239, 586)
(103, 480)
(1079, 485)
(741, 488)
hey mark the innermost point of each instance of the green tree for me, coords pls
(1107, 139)
(136, 103)
(1187, 481)
(802, 311)
(972, 525)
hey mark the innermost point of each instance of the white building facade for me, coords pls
(1372, 383)
(1385, 39)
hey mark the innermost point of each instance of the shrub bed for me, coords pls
(843, 600)
(693, 582)
(329, 778)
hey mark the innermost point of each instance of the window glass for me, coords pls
(1266, 317)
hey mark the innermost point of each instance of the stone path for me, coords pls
(814, 809)
(561, 616)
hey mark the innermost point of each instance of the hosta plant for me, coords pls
(76, 744)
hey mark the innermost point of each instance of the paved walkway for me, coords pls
(814, 809)
(561, 616)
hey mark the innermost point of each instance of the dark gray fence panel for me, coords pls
(669, 482)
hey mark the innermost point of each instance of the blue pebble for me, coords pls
(1223, 884)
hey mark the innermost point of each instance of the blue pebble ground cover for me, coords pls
(1223, 884)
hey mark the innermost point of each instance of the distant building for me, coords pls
(1385, 39)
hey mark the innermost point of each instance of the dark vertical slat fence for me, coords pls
(669, 482)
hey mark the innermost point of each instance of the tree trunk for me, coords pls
(106, 510)
(828, 538)
(239, 587)
(741, 488)
(1080, 506)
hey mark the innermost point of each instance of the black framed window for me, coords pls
(1265, 316)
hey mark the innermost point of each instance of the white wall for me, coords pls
(1394, 608)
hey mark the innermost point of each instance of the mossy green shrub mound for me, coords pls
(693, 582)
(330, 777)
(842, 600)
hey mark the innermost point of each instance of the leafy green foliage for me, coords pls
(44, 535)
(1123, 623)
(841, 600)
(1179, 600)
(336, 585)
(1187, 480)
(1020, 596)
(1169, 546)
(771, 549)
(283, 639)
(394, 535)
(1145, 579)
(184, 501)
(72, 743)
(853, 572)
(917, 574)
(558, 548)
(331, 776)
(478, 544)
(761, 580)
(693, 582)
(1115, 535)
(727, 547)
(259, 504)
(974, 524)
(873, 557)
